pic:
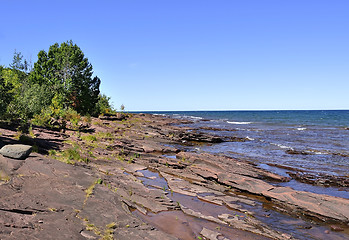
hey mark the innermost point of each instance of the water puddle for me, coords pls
(170, 156)
(153, 179)
(206, 208)
(187, 227)
(298, 228)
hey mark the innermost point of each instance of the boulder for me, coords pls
(16, 151)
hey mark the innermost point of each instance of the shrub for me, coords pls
(72, 154)
(72, 116)
(103, 105)
(32, 100)
(44, 118)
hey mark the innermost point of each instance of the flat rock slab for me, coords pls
(16, 151)
(212, 235)
(320, 206)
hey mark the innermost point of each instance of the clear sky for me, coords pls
(196, 54)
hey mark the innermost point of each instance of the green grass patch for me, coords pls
(89, 138)
(105, 135)
(52, 152)
(70, 155)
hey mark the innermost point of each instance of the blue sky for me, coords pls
(196, 54)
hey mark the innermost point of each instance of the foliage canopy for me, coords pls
(61, 82)
(67, 72)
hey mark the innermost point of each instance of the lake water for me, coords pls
(323, 137)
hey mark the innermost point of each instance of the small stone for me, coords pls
(327, 232)
(16, 151)
(336, 228)
(87, 235)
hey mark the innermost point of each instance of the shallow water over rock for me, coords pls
(332, 191)
(203, 211)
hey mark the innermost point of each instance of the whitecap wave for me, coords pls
(301, 128)
(240, 123)
(281, 146)
(320, 153)
(195, 117)
(317, 152)
(249, 138)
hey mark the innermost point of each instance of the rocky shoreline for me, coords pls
(129, 177)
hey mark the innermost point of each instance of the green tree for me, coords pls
(5, 94)
(67, 72)
(17, 62)
(103, 105)
(122, 107)
(32, 100)
(12, 83)
(13, 80)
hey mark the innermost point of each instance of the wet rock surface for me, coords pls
(321, 179)
(125, 178)
(217, 129)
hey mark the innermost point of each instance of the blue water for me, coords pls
(325, 118)
(323, 135)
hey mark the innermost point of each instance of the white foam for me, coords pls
(316, 152)
(301, 128)
(249, 138)
(281, 146)
(319, 153)
(195, 117)
(240, 123)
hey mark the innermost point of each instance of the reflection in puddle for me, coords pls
(170, 156)
(153, 179)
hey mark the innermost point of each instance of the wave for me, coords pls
(281, 146)
(239, 122)
(179, 116)
(195, 117)
(249, 138)
(301, 128)
(317, 152)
